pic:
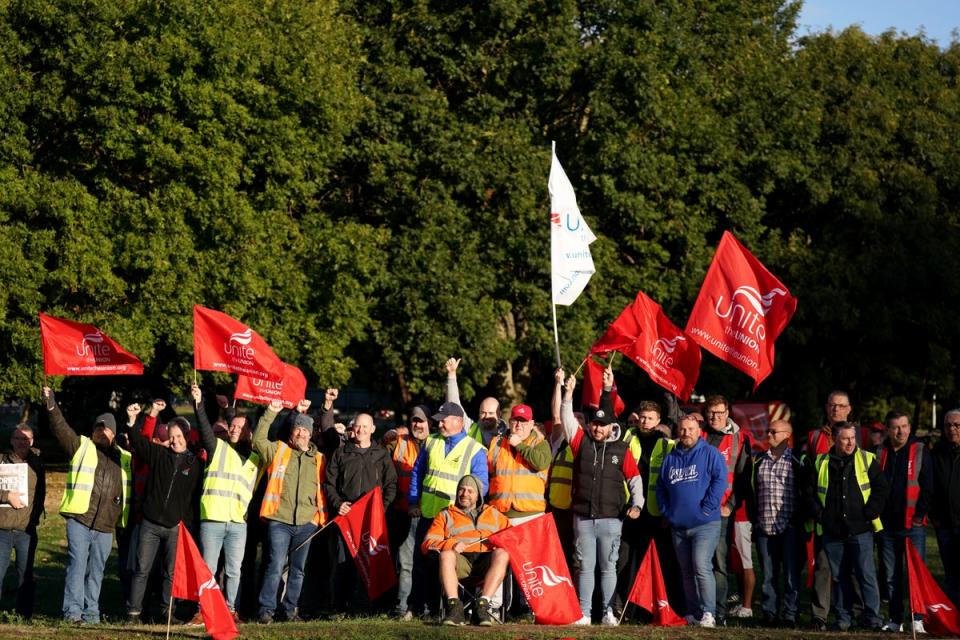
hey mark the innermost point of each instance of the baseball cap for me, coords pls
(521, 411)
(448, 409)
(601, 417)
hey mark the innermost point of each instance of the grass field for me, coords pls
(51, 560)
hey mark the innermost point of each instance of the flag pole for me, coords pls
(624, 611)
(556, 335)
(169, 616)
(312, 536)
(581, 365)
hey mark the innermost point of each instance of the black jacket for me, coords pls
(353, 471)
(845, 513)
(945, 499)
(894, 511)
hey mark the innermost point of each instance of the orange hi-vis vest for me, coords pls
(514, 484)
(275, 473)
(452, 525)
(914, 462)
(404, 457)
(729, 448)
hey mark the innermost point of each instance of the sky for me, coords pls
(937, 17)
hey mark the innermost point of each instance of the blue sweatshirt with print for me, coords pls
(691, 485)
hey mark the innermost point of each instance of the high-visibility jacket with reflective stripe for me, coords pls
(861, 467)
(444, 472)
(452, 525)
(404, 457)
(514, 484)
(275, 474)
(662, 447)
(914, 463)
(560, 484)
(80, 479)
(228, 485)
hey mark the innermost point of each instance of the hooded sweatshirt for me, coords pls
(691, 485)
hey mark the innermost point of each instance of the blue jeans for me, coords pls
(87, 552)
(151, 539)
(596, 542)
(892, 551)
(283, 539)
(856, 552)
(695, 549)
(780, 554)
(405, 562)
(231, 537)
(10, 540)
(948, 540)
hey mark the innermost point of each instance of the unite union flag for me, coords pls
(222, 343)
(77, 349)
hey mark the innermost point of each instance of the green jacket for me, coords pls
(298, 501)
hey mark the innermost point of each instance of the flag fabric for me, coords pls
(192, 580)
(650, 593)
(593, 387)
(290, 391)
(570, 238)
(540, 569)
(644, 333)
(364, 530)
(926, 597)
(222, 343)
(77, 349)
(741, 310)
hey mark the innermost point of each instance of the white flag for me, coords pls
(570, 238)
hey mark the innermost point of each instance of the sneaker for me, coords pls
(484, 615)
(733, 598)
(609, 620)
(918, 626)
(707, 621)
(235, 616)
(454, 617)
(133, 617)
(265, 618)
(892, 626)
(819, 625)
(196, 620)
(740, 611)
(405, 616)
(692, 621)
(583, 621)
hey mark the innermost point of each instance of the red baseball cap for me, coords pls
(521, 411)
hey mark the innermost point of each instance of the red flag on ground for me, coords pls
(741, 310)
(540, 569)
(192, 580)
(291, 390)
(364, 530)
(650, 593)
(643, 333)
(77, 349)
(221, 343)
(593, 387)
(927, 598)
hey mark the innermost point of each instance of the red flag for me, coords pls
(650, 593)
(291, 390)
(741, 310)
(645, 334)
(365, 532)
(593, 387)
(192, 580)
(77, 349)
(540, 569)
(927, 598)
(221, 343)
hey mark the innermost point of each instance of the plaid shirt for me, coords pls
(775, 491)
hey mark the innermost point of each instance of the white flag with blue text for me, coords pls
(570, 238)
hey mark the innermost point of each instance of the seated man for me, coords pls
(459, 533)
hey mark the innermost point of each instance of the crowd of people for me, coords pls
(692, 484)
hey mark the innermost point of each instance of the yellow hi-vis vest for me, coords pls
(861, 465)
(444, 472)
(661, 448)
(80, 479)
(228, 485)
(560, 482)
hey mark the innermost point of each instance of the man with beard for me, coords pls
(95, 500)
(488, 423)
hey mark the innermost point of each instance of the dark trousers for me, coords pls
(948, 540)
(426, 574)
(780, 555)
(153, 539)
(720, 566)
(892, 547)
(637, 536)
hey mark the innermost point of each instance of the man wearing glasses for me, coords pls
(945, 501)
(735, 447)
(778, 479)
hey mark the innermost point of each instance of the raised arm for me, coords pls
(207, 440)
(66, 436)
(453, 389)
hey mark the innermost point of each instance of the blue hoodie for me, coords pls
(691, 485)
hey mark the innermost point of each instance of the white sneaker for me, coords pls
(892, 626)
(585, 620)
(740, 611)
(691, 621)
(918, 626)
(707, 621)
(609, 620)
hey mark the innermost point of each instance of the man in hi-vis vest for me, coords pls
(294, 506)
(444, 458)
(846, 495)
(228, 484)
(95, 502)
